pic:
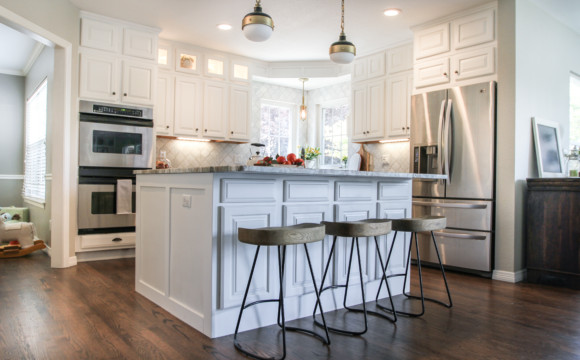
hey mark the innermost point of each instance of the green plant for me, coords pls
(311, 153)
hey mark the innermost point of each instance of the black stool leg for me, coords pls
(450, 304)
(322, 289)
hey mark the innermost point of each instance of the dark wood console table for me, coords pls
(553, 231)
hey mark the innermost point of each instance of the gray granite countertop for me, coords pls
(287, 170)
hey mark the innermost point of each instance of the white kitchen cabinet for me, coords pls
(215, 109)
(399, 89)
(459, 51)
(99, 77)
(188, 115)
(471, 64)
(138, 82)
(473, 29)
(106, 241)
(394, 209)
(431, 41)
(100, 35)
(400, 59)
(369, 67)
(164, 104)
(138, 43)
(432, 72)
(368, 102)
(106, 78)
(239, 113)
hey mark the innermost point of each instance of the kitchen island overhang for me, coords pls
(190, 262)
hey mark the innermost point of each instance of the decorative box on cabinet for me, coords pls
(552, 231)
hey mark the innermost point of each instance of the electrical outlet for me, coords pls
(385, 160)
(186, 201)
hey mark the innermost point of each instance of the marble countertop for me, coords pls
(287, 170)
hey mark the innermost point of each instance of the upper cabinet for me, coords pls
(369, 67)
(457, 51)
(117, 61)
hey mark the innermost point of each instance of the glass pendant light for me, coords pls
(257, 26)
(342, 51)
(303, 107)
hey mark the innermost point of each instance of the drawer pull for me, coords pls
(450, 205)
(117, 239)
(459, 235)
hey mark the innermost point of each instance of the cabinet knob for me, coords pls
(117, 239)
(124, 94)
(167, 127)
(205, 130)
(114, 93)
(456, 72)
(231, 132)
(407, 128)
(196, 129)
(445, 74)
(403, 128)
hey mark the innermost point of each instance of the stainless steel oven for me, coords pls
(115, 136)
(98, 201)
(113, 141)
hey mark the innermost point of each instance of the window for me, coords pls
(334, 136)
(574, 110)
(35, 150)
(276, 128)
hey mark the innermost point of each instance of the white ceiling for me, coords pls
(304, 29)
(17, 51)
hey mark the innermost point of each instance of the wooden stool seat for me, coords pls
(420, 224)
(362, 228)
(280, 236)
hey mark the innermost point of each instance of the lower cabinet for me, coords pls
(106, 241)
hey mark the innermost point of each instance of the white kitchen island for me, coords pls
(190, 262)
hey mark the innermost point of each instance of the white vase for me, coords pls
(312, 164)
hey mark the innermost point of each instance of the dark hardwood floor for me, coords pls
(91, 311)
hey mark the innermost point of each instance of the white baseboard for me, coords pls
(509, 276)
(105, 255)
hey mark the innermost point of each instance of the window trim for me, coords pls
(327, 104)
(573, 77)
(294, 114)
(32, 200)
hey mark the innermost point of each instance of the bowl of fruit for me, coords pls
(290, 160)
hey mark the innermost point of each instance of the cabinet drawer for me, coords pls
(105, 241)
(432, 72)
(354, 191)
(474, 63)
(306, 191)
(394, 190)
(247, 190)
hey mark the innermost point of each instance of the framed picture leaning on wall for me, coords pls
(548, 148)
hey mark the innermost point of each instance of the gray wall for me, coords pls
(11, 139)
(42, 69)
(535, 56)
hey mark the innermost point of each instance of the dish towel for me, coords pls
(124, 196)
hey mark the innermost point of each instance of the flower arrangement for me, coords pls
(311, 153)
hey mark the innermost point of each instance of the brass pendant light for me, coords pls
(303, 107)
(257, 26)
(342, 51)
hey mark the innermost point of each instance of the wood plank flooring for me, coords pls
(91, 311)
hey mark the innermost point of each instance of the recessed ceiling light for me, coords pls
(392, 12)
(224, 27)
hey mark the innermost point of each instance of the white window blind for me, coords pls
(334, 133)
(35, 151)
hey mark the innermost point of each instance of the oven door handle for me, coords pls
(450, 205)
(459, 235)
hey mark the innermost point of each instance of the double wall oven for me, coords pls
(113, 141)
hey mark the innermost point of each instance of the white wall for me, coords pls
(535, 56)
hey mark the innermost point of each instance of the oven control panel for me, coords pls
(114, 110)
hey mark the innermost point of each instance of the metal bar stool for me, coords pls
(354, 230)
(281, 237)
(415, 225)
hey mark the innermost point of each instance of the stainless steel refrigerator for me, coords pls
(453, 133)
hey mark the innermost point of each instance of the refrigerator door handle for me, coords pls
(459, 235)
(440, 138)
(450, 205)
(448, 140)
